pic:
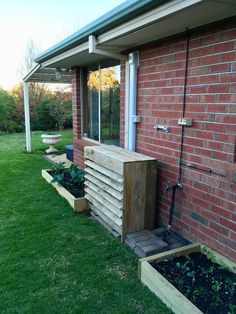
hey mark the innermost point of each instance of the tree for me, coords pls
(37, 91)
(30, 54)
(54, 112)
(108, 79)
(7, 106)
(48, 110)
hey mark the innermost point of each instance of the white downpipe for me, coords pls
(27, 118)
(126, 105)
(133, 66)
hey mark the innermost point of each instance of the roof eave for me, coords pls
(117, 16)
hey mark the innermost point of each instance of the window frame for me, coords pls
(84, 93)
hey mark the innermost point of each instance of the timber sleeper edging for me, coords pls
(78, 204)
(163, 289)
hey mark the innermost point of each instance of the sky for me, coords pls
(45, 22)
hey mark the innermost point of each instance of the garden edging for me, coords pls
(78, 204)
(163, 289)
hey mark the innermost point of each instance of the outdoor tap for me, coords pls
(167, 187)
(180, 186)
(165, 128)
(177, 186)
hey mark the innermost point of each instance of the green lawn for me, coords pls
(51, 259)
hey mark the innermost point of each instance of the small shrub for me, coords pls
(71, 178)
(53, 114)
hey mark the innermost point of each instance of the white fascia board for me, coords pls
(66, 54)
(152, 16)
(31, 72)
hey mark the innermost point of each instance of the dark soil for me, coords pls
(75, 188)
(209, 286)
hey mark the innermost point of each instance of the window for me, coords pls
(102, 105)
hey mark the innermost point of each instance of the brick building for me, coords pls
(173, 60)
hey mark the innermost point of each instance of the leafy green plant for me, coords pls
(232, 308)
(209, 254)
(71, 178)
(210, 286)
(208, 271)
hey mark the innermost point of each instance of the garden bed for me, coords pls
(191, 279)
(79, 204)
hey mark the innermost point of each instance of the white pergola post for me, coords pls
(27, 117)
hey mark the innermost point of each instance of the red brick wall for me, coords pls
(76, 110)
(78, 142)
(206, 207)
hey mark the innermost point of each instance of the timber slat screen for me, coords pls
(120, 187)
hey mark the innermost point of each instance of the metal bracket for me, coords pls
(165, 128)
(135, 119)
(185, 121)
(93, 49)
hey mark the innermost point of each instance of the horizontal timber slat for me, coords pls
(105, 203)
(108, 181)
(117, 220)
(105, 159)
(104, 194)
(114, 176)
(105, 187)
(127, 155)
(107, 224)
(195, 247)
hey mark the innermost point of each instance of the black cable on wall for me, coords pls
(184, 103)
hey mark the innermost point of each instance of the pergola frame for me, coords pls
(39, 74)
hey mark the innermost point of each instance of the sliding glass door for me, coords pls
(102, 117)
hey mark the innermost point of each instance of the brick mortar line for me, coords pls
(174, 157)
(190, 50)
(183, 41)
(190, 67)
(181, 77)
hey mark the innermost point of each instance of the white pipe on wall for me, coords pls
(27, 118)
(133, 67)
(126, 105)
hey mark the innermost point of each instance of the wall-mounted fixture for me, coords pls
(135, 119)
(58, 74)
(165, 128)
(185, 121)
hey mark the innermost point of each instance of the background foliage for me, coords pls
(49, 110)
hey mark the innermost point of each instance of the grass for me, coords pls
(51, 259)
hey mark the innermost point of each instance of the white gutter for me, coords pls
(155, 15)
(27, 118)
(133, 118)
